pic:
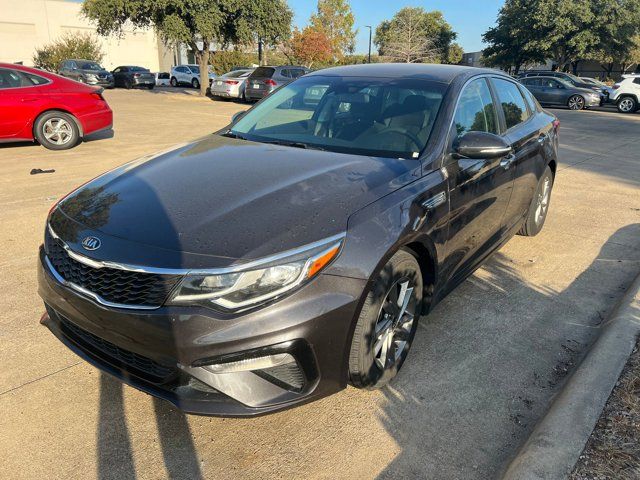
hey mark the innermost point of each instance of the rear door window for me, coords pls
(512, 102)
(13, 79)
(475, 111)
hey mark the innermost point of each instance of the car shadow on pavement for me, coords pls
(487, 362)
(114, 449)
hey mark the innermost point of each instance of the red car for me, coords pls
(53, 110)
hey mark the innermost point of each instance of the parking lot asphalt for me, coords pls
(484, 368)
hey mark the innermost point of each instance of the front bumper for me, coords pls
(591, 101)
(162, 351)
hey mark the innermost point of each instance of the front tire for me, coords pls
(576, 102)
(56, 130)
(387, 323)
(627, 105)
(539, 206)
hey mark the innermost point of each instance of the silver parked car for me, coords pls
(556, 91)
(231, 84)
(265, 80)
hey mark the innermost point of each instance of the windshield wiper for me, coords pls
(288, 143)
(230, 134)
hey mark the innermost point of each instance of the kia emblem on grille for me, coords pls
(91, 243)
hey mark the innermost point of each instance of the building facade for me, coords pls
(30, 24)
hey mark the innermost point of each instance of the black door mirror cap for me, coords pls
(481, 145)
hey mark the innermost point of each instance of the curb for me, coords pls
(558, 439)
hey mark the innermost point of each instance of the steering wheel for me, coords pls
(415, 140)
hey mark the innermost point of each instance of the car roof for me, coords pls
(423, 71)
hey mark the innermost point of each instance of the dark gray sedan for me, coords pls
(265, 80)
(554, 91)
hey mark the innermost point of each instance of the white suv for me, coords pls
(626, 93)
(188, 74)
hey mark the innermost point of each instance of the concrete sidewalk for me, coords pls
(484, 369)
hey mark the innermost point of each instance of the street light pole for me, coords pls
(369, 27)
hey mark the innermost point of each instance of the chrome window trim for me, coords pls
(90, 294)
(186, 271)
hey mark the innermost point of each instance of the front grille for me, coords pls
(132, 362)
(111, 284)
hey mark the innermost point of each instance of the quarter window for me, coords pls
(513, 104)
(475, 111)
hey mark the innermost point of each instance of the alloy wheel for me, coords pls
(542, 202)
(57, 131)
(576, 102)
(626, 105)
(394, 325)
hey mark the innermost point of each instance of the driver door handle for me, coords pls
(507, 161)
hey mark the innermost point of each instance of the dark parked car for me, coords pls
(554, 91)
(569, 78)
(265, 80)
(86, 71)
(131, 76)
(293, 252)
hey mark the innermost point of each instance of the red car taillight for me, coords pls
(97, 96)
(231, 82)
(270, 82)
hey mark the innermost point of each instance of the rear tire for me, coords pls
(173, 82)
(195, 83)
(56, 130)
(539, 206)
(150, 87)
(384, 330)
(127, 84)
(627, 105)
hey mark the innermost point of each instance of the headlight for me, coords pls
(259, 281)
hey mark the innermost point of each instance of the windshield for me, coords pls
(138, 69)
(90, 66)
(236, 73)
(367, 116)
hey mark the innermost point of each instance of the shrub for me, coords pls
(70, 45)
(224, 62)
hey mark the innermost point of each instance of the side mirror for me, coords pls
(481, 145)
(237, 116)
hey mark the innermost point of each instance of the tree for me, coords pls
(266, 23)
(308, 46)
(195, 23)
(415, 35)
(565, 30)
(70, 45)
(510, 41)
(618, 28)
(335, 19)
(454, 54)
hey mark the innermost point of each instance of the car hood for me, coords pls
(230, 198)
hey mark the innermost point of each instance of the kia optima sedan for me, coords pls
(292, 253)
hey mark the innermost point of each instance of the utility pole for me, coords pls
(369, 27)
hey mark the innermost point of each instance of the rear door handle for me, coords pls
(507, 161)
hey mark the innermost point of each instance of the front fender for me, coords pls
(415, 214)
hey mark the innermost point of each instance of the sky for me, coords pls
(469, 18)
